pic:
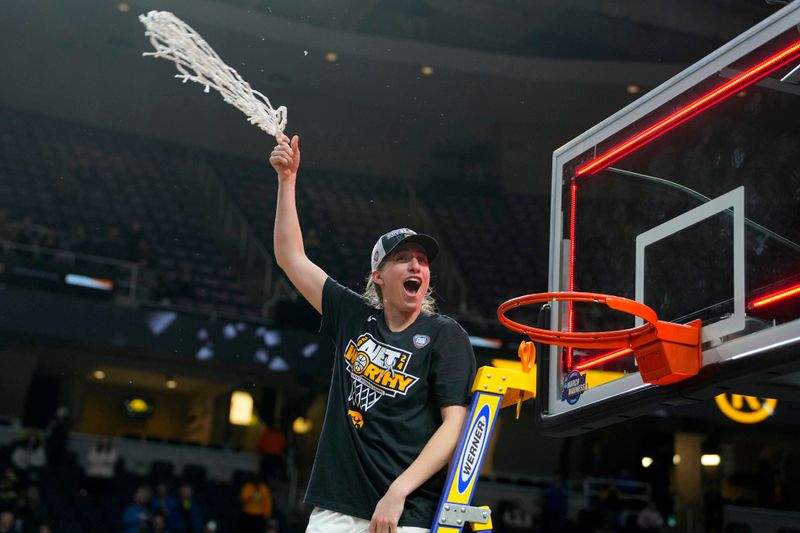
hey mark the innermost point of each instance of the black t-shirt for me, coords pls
(386, 393)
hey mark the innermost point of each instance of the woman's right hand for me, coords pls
(285, 157)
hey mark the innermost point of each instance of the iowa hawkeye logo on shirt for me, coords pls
(377, 370)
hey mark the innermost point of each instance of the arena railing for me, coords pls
(251, 253)
(125, 273)
(636, 492)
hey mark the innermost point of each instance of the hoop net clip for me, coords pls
(665, 352)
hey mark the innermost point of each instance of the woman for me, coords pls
(401, 379)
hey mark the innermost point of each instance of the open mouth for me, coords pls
(412, 286)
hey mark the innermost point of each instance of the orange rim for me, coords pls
(580, 339)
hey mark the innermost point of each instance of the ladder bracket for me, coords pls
(458, 515)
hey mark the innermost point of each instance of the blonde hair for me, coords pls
(374, 297)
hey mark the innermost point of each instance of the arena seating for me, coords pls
(133, 201)
(71, 508)
(340, 214)
(120, 196)
(484, 232)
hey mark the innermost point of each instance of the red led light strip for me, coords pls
(610, 356)
(736, 84)
(733, 86)
(774, 297)
(573, 202)
(761, 302)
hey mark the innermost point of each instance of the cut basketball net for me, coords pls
(665, 352)
(175, 40)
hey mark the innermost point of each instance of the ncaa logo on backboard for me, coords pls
(420, 341)
(574, 385)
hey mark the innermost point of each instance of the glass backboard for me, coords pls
(687, 200)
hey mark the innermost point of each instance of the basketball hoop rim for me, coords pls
(581, 339)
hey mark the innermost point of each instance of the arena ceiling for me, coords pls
(611, 30)
(550, 68)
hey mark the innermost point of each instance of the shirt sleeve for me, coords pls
(453, 366)
(338, 303)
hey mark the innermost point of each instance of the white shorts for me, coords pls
(325, 521)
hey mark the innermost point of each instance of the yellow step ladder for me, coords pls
(493, 389)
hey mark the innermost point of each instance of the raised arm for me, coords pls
(307, 277)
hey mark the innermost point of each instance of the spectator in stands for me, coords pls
(137, 516)
(649, 519)
(185, 516)
(58, 436)
(184, 285)
(8, 522)
(554, 509)
(8, 231)
(256, 499)
(32, 512)
(611, 504)
(145, 254)
(516, 518)
(165, 287)
(67, 187)
(112, 246)
(28, 456)
(380, 461)
(172, 288)
(10, 490)
(50, 239)
(162, 502)
(100, 463)
(148, 275)
(28, 232)
(778, 494)
(133, 240)
(271, 446)
(159, 524)
(76, 240)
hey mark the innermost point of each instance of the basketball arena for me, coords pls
(608, 192)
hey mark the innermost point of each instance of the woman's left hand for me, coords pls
(387, 513)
